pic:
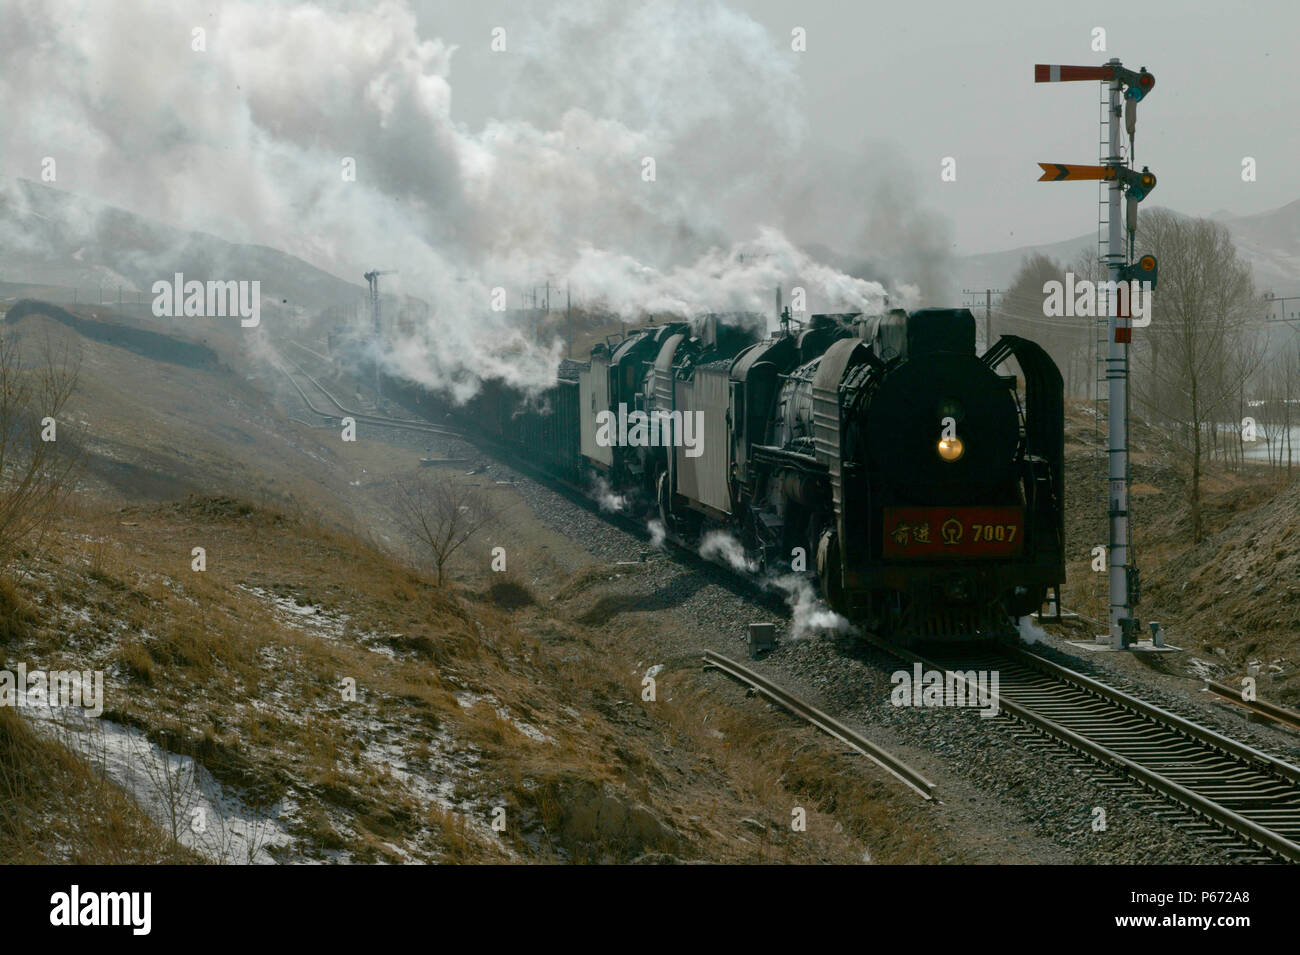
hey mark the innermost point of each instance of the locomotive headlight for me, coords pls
(951, 449)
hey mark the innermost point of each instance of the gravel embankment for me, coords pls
(1004, 775)
(994, 777)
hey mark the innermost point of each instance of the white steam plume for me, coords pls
(721, 546)
(609, 501)
(809, 615)
(1031, 632)
(250, 137)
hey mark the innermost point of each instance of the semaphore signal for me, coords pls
(1127, 89)
(1137, 84)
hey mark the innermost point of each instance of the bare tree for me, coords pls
(1202, 344)
(1267, 413)
(38, 459)
(1274, 391)
(1241, 364)
(440, 514)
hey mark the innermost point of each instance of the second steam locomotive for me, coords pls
(882, 455)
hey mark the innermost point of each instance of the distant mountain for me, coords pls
(52, 237)
(1269, 241)
(998, 270)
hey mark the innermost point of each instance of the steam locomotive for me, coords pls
(879, 454)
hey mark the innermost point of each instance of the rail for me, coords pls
(1240, 789)
(827, 724)
(1271, 711)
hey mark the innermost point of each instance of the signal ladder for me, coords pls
(1101, 341)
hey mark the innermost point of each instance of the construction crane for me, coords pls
(372, 279)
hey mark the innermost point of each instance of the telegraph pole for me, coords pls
(1130, 86)
(988, 318)
(988, 311)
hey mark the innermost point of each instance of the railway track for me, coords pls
(1225, 785)
(342, 411)
(1223, 788)
(1271, 712)
(827, 724)
(1262, 710)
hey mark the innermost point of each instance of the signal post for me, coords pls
(1126, 90)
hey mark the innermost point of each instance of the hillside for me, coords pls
(310, 695)
(1238, 591)
(56, 238)
(313, 695)
(1229, 600)
(161, 415)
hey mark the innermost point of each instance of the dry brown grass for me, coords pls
(54, 808)
(487, 688)
(205, 667)
(207, 664)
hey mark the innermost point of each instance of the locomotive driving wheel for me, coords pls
(682, 525)
(665, 506)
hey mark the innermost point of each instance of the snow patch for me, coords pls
(177, 792)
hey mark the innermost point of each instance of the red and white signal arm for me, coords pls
(1045, 73)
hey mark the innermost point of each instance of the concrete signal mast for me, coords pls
(372, 278)
(1127, 89)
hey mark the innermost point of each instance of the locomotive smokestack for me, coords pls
(708, 332)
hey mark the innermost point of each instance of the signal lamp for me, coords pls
(1144, 269)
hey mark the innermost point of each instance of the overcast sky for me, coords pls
(954, 78)
(476, 168)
